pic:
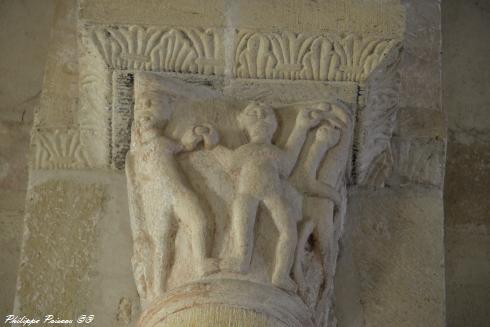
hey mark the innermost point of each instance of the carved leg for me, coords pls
(305, 230)
(190, 212)
(324, 233)
(141, 267)
(323, 190)
(244, 212)
(286, 224)
(161, 237)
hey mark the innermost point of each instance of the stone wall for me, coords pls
(466, 25)
(24, 36)
(393, 248)
(393, 254)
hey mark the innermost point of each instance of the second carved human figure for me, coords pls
(261, 169)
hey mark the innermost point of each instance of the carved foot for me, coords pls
(208, 267)
(235, 264)
(286, 283)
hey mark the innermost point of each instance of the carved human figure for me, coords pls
(261, 169)
(161, 198)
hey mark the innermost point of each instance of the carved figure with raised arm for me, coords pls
(161, 198)
(261, 169)
(328, 151)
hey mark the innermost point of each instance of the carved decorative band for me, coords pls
(64, 148)
(182, 50)
(58, 149)
(299, 56)
(262, 55)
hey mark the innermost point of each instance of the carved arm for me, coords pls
(306, 119)
(209, 136)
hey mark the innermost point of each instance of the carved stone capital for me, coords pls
(237, 161)
(237, 200)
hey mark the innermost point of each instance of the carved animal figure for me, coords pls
(326, 137)
(329, 150)
(261, 170)
(160, 198)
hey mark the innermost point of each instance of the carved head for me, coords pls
(150, 112)
(329, 133)
(259, 121)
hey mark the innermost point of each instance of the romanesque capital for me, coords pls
(236, 204)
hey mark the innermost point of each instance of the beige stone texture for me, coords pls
(91, 272)
(383, 17)
(391, 267)
(61, 66)
(467, 192)
(77, 264)
(24, 36)
(243, 206)
(220, 317)
(114, 300)
(390, 270)
(467, 286)
(395, 240)
(60, 138)
(273, 57)
(24, 31)
(58, 212)
(465, 82)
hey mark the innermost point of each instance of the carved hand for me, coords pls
(200, 133)
(209, 135)
(309, 118)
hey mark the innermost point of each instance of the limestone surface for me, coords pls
(243, 146)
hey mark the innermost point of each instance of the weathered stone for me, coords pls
(466, 81)
(466, 99)
(370, 17)
(211, 197)
(24, 36)
(467, 233)
(467, 270)
(53, 279)
(400, 268)
(200, 70)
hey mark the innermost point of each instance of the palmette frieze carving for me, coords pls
(301, 56)
(207, 206)
(182, 50)
(263, 55)
(60, 148)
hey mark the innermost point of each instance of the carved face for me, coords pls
(259, 121)
(147, 115)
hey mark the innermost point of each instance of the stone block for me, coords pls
(397, 259)
(58, 250)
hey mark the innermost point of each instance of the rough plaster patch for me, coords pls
(58, 251)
